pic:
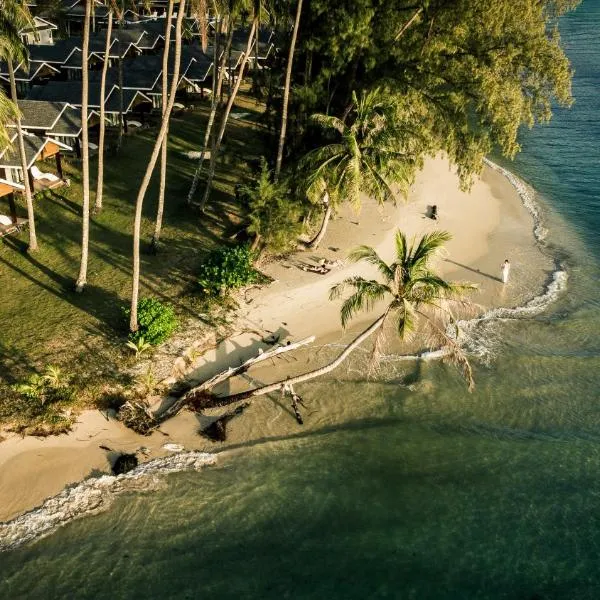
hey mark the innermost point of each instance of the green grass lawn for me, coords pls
(42, 319)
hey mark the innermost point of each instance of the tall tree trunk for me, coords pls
(120, 78)
(85, 230)
(163, 151)
(314, 243)
(219, 138)
(216, 92)
(209, 402)
(133, 322)
(33, 245)
(286, 91)
(100, 179)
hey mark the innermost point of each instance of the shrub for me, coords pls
(156, 322)
(227, 268)
(275, 216)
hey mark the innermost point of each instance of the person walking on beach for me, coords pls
(505, 268)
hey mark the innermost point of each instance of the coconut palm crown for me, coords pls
(417, 295)
(365, 156)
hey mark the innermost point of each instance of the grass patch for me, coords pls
(42, 319)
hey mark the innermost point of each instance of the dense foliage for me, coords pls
(467, 73)
(227, 268)
(157, 321)
(275, 215)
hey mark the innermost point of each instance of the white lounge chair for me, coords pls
(178, 106)
(4, 220)
(134, 124)
(92, 146)
(39, 175)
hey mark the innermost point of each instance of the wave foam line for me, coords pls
(93, 496)
(527, 195)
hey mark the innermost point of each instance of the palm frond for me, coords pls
(367, 293)
(328, 122)
(369, 255)
(428, 245)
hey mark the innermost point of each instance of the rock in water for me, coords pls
(217, 431)
(124, 464)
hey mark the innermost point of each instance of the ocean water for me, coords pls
(405, 487)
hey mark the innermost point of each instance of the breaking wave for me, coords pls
(93, 496)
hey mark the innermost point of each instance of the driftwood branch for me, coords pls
(201, 390)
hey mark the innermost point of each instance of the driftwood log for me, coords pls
(197, 397)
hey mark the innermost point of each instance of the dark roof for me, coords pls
(240, 41)
(69, 123)
(137, 79)
(199, 69)
(66, 91)
(38, 114)
(36, 68)
(55, 53)
(112, 102)
(33, 147)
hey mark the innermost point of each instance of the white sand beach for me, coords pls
(488, 224)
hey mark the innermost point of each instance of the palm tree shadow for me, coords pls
(479, 272)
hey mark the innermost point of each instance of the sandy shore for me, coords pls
(488, 224)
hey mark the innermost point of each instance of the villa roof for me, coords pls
(34, 145)
(39, 114)
(36, 69)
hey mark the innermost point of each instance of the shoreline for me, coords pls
(493, 217)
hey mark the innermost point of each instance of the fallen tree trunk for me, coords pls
(203, 400)
(202, 390)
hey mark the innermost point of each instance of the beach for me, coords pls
(488, 224)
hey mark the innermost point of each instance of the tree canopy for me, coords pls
(469, 73)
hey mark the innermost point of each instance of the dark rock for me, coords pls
(124, 464)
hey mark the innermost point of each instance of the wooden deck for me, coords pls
(13, 227)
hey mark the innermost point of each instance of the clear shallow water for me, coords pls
(426, 492)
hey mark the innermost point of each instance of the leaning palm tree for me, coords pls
(217, 140)
(286, 90)
(100, 178)
(139, 204)
(418, 301)
(368, 154)
(14, 17)
(163, 151)
(224, 24)
(85, 151)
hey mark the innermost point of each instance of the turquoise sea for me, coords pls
(414, 488)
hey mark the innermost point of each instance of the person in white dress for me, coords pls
(505, 268)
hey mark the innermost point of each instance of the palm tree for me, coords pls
(216, 92)
(286, 90)
(163, 151)
(418, 301)
(368, 155)
(85, 151)
(216, 145)
(133, 322)
(100, 179)
(15, 16)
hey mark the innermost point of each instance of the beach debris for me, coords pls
(137, 416)
(217, 430)
(288, 388)
(200, 393)
(173, 447)
(124, 463)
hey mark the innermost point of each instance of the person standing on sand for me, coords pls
(505, 268)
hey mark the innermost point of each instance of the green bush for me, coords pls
(275, 215)
(156, 322)
(227, 268)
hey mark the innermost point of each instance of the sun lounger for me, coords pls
(134, 123)
(40, 176)
(5, 220)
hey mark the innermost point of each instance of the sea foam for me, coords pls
(94, 495)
